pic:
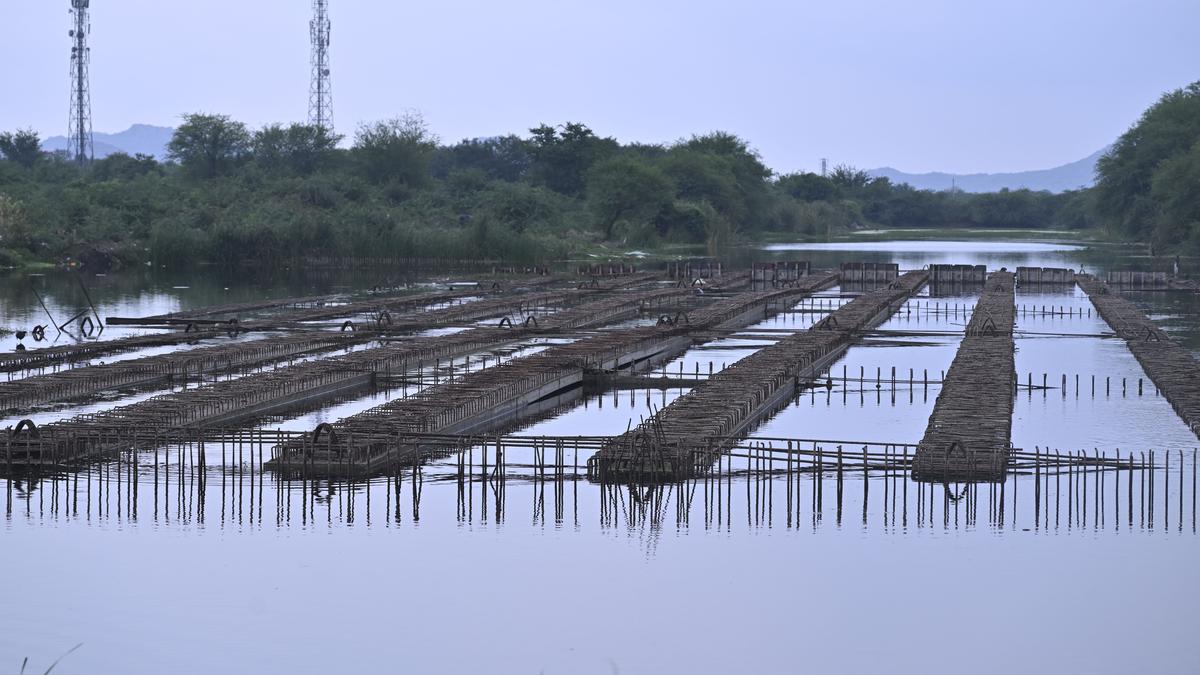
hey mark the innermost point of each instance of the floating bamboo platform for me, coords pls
(407, 313)
(171, 368)
(1172, 367)
(967, 438)
(177, 366)
(500, 397)
(236, 400)
(682, 440)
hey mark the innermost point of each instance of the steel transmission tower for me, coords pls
(320, 95)
(80, 135)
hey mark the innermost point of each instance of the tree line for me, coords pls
(1148, 184)
(226, 193)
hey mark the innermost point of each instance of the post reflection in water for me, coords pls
(759, 484)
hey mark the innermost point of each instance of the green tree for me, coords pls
(701, 177)
(297, 148)
(1175, 190)
(562, 156)
(209, 145)
(626, 188)
(120, 166)
(850, 178)
(22, 146)
(504, 158)
(807, 187)
(1125, 196)
(720, 169)
(1076, 210)
(14, 224)
(398, 150)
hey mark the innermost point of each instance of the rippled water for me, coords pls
(168, 566)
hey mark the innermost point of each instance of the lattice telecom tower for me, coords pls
(79, 138)
(320, 95)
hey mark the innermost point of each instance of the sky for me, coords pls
(921, 85)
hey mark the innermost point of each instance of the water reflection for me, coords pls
(762, 483)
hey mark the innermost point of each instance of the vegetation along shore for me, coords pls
(226, 194)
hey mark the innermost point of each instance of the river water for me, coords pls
(165, 566)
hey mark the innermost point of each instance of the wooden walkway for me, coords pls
(967, 438)
(678, 442)
(1172, 367)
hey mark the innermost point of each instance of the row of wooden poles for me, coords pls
(221, 481)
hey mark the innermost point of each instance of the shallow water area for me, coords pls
(193, 558)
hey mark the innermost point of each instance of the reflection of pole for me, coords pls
(47, 311)
(82, 287)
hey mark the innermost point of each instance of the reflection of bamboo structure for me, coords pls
(218, 480)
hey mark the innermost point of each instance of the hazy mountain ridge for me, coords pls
(1072, 176)
(139, 138)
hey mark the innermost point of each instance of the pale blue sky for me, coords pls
(954, 85)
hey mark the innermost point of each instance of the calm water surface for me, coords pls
(226, 569)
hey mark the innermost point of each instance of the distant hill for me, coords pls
(139, 138)
(1066, 177)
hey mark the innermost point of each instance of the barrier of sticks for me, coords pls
(219, 479)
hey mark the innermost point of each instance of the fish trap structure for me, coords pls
(1171, 366)
(676, 442)
(247, 398)
(967, 437)
(957, 274)
(172, 368)
(606, 270)
(778, 273)
(870, 272)
(195, 329)
(497, 398)
(1138, 279)
(1036, 276)
(690, 270)
(177, 366)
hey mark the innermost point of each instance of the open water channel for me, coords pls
(165, 565)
